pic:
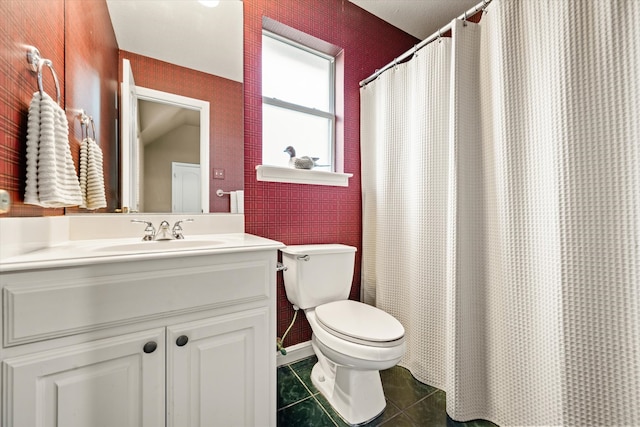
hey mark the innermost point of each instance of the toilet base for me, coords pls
(356, 395)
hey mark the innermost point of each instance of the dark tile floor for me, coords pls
(409, 402)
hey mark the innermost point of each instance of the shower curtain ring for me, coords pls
(485, 3)
(464, 19)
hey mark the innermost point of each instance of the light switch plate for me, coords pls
(218, 174)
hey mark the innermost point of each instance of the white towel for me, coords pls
(51, 175)
(240, 201)
(91, 175)
(83, 163)
(233, 196)
(33, 136)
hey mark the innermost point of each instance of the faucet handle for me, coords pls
(177, 229)
(149, 231)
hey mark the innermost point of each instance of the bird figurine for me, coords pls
(304, 162)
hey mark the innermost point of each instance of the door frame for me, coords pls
(152, 95)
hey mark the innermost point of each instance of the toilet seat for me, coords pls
(360, 323)
(350, 353)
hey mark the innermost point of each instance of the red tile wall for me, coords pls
(226, 104)
(299, 213)
(40, 24)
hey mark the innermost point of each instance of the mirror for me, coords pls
(187, 49)
(165, 150)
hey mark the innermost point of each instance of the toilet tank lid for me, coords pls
(317, 249)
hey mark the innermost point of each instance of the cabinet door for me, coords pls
(221, 375)
(115, 382)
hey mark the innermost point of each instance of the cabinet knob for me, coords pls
(150, 347)
(182, 340)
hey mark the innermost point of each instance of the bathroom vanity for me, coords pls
(114, 333)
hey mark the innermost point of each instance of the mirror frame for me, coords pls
(127, 192)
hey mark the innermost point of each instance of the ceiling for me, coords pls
(420, 18)
(183, 32)
(209, 39)
(158, 119)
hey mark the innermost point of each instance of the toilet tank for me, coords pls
(317, 274)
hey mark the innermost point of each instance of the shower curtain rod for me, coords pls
(423, 43)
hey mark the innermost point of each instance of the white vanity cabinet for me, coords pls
(110, 382)
(176, 340)
(214, 367)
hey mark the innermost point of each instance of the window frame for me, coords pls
(331, 114)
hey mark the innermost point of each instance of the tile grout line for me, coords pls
(421, 399)
(325, 411)
(404, 411)
(294, 403)
(313, 395)
(300, 379)
(303, 384)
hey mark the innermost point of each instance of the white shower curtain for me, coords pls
(501, 209)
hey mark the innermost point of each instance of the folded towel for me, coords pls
(83, 164)
(240, 200)
(91, 175)
(51, 175)
(233, 202)
(33, 136)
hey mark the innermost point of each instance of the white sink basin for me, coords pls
(159, 245)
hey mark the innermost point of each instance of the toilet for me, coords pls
(353, 341)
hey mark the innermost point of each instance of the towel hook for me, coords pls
(37, 62)
(33, 57)
(84, 124)
(93, 128)
(49, 64)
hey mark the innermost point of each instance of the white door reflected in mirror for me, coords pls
(147, 179)
(185, 188)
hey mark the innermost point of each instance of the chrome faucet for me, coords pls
(149, 231)
(163, 232)
(177, 229)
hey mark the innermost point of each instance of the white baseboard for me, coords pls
(295, 353)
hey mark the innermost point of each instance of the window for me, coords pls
(298, 103)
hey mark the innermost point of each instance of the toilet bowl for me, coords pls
(347, 373)
(353, 341)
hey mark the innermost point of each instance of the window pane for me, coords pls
(295, 75)
(308, 134)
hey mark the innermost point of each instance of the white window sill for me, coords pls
(302, 176)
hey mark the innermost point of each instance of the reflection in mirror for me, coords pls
(165, 147)
(178, 47)
(168, 142)
(200, 40)
(170, 158)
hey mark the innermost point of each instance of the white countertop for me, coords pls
(89, 252)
